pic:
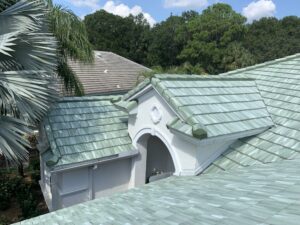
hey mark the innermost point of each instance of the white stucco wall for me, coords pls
(111, 177)
(86, 183)
(73, 186)
(183, 152)
(190, 155)
(45, 183)
(207, 153)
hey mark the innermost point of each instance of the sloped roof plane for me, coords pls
(80, 129)
(109, 74)
(258, 180)
(217, 105)
(279, 84)
(266, 194)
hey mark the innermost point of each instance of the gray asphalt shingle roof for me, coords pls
(109, 74)
(80, 129)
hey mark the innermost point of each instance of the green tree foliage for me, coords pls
(215, 41)
(140, 30)
(270, 38)
(216, 35)
(185, 68)
(164, 47)
(167, 39)
(124, 36)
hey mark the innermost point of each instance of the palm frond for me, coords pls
(70, 80)
(32, 50)
(22, 16)
(4, 4)
(26, 94)
(73, 42)
(28, 60)
(12, 140)
(26, 44)
(6, 42)
(71, 34)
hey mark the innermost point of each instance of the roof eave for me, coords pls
(139, 93)
(211, 140)
(71, 166)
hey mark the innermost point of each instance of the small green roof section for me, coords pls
(266, 194)
(279, 84)
(210, 106)
(126, 106)
(80, 129)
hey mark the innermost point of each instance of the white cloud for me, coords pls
(258, 9)
(92, 4)
(185, 3)
(124, 11)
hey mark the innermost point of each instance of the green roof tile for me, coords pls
(86, 128)
(263, 194)
(279, 85)
(240, 187)
(219, 105)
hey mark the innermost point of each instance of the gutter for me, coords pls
(72, 166)
(226, 137)
(141, 92)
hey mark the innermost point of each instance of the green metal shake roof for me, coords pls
(210, 106)
(264, 194)
(85, 128)
(279, 84)
(258, 179)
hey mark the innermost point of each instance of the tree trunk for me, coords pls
(21, 169)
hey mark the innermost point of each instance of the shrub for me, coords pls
(14, 183)
(27, 201)
(35, 164)
(29, 207)
(5, 192)
(4, 198)
(15, 186)
(4, 220)
(35, 176)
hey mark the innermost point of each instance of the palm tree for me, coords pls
(28, 60)
(73, 44)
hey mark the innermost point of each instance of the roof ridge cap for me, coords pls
(57, 155)
(131, 61)
(198, 77)
(267, 63)
(88, 98)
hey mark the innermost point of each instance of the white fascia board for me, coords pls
(141, 92)
(148, 88)
(227, 137)
(72, 166)
(176, 113)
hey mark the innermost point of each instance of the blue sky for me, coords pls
(158, 10)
